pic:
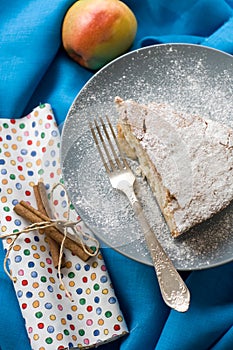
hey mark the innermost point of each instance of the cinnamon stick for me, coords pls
(53, 245)
(33, 215)
(39, 203)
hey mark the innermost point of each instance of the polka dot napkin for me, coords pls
(29, 152)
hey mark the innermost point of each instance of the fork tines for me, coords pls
(105, 132)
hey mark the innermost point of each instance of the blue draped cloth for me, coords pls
(35, 69)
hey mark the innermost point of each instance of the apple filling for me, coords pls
(130, 145)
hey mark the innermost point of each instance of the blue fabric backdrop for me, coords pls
(33, 69)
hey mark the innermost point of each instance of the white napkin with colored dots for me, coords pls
(30, 152)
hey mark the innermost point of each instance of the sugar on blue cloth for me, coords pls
(34, 69)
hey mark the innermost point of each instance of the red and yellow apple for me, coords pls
(94, 32)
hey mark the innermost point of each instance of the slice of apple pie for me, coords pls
(186, 159)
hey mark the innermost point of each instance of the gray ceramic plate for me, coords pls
(193, 79)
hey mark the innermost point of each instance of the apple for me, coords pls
(94, 32)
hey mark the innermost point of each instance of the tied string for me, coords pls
(76, 237)
(73, 225)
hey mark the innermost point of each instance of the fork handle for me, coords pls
(173, 289)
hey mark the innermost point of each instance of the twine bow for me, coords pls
(77, 236)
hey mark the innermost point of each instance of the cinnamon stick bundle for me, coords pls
(33, 215)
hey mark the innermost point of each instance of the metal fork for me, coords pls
(173, 289)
